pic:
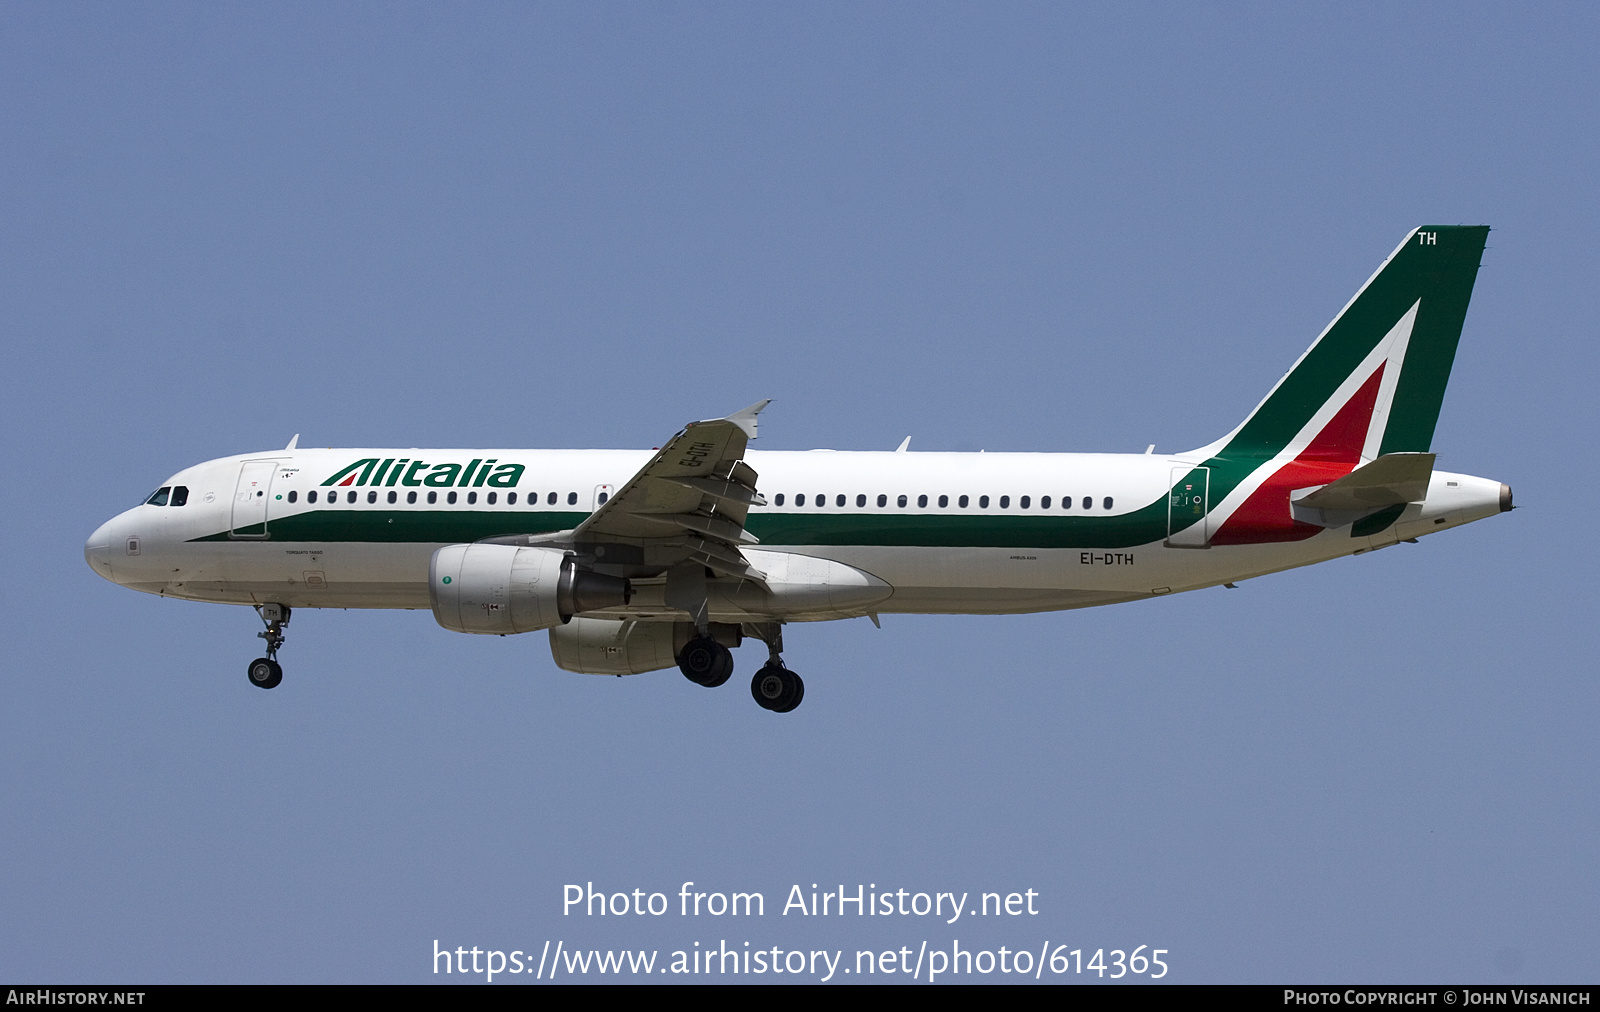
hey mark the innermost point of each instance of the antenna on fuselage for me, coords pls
(904, 445)
(293, 442)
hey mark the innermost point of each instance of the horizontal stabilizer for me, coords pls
(1392, 480)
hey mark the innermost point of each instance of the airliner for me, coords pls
(635, 561)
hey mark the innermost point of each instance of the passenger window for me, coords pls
(1066, 502)
(472, 498)
(800, 500)
(393, 496)
(901, 502)
(433, 497)
(861, 500)
(350, 498)
(838, 500)
(572, 498)
(1088, 503)
(778, 499)
(492, 497)
(311, 496)
(962, 502)
(511, 498)
(411, 497)
(159, 496)
(883, 500)
(293, 495)
(922, 502)
(1044, 502)
(1107, 502)
(450, 497)
(944, 501)
(372, 497)
(180, 495)
(603, 497)
(1005, 502)
(552, 499)
(1023, 502)
(983, 502)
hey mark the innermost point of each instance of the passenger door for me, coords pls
(250, 498)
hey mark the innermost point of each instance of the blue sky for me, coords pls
(1019, 228)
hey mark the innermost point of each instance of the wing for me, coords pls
(687, 504)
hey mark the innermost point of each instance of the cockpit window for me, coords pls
(180, 495)
(159, 497)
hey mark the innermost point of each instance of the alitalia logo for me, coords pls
(405, 471)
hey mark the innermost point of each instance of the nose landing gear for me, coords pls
(265, 672)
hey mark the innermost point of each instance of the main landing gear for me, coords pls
(266, 672)
(774, 687)
(706, 662)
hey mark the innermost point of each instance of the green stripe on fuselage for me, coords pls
(944, 530)
(376, 526)
(908, 529)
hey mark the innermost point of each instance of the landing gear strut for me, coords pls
(265, 671)
(775, 687)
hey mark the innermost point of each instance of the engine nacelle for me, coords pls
(500, 589)
(604, 646)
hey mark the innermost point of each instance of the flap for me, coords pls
(694, 494)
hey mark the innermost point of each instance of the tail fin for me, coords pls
(1370, 385)
(1383, 361)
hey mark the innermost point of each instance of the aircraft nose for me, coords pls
(97, 550)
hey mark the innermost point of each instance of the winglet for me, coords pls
(746, 419)
(293, 442)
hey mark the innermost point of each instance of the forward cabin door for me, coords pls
(250, 498)
(1188, 508)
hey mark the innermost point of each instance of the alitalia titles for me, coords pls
(404, 471)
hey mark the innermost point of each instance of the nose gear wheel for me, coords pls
(265, 672)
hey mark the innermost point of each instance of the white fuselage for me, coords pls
(1012, 546)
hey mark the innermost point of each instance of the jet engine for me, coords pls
(603, 646)
(500, 589)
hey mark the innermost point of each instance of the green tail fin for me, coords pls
(1406, 322)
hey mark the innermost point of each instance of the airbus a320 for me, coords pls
(636, 561)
